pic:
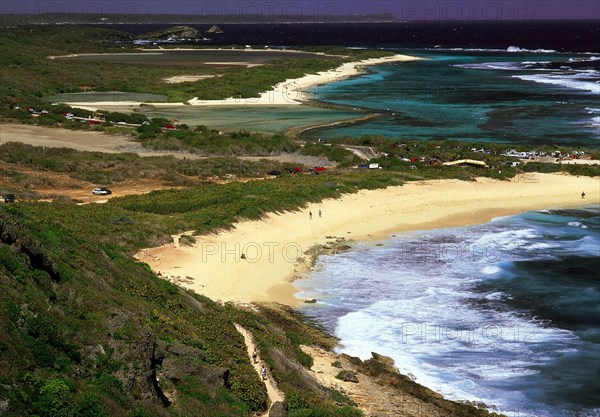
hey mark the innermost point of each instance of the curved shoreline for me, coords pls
(289, 92)
(297, 131)
(281, 247)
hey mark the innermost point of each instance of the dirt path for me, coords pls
(272, 391)
(59, 138)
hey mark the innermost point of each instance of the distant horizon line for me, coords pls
(301, 18)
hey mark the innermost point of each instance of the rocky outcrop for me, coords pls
(12, 234)
(347, 376)
(139, 374)
(214, 29)
(176, 368)
(279, 409)
(180, 362)
(382, 368)
(175, 32)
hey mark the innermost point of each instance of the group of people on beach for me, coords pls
(310, 214)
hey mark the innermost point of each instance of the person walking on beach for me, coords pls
(263, 373)
(583, 194)
(310, 215)
(319, 213)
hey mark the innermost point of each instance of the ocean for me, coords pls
(521, 97)
(520, 82)
(505, 313)
(564, 36)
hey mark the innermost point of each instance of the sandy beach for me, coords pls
(288, 92)
(280, 247)
(293, 91)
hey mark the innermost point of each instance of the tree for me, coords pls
(55, 399)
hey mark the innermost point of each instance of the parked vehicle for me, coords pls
(9, 198)
(101, 191)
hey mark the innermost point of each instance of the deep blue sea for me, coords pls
(505, 312)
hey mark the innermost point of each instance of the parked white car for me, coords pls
(101, 191)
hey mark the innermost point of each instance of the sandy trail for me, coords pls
(272, 391)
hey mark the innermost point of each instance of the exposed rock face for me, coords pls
(176, 32)
(214, 29)
(178, 362)
(177, 368)
(347, 376)
(382, 368)
(139, 375)
(279, 409)
(11, 234)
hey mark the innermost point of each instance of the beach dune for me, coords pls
(280, 247)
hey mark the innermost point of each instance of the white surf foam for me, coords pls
(577, 81)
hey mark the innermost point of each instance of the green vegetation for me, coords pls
(98, 168)
(420, 160)
(337, 153)
(86, 330)
(28, 74)
(89, 331)
(207, 141)
(155, 216)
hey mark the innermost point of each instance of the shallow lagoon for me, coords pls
(96, 96)
(270, 119)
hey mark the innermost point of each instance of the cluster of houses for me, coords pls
(32, 111)
(557, 156)
(531, 155)
(523, 155)
(92, 119)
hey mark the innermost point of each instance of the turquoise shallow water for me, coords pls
(476, 96)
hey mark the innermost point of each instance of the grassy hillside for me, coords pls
(86, 331)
